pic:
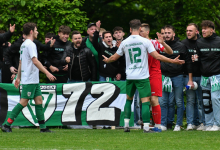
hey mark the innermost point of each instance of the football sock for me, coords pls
(156, 113)
(40, 116)
(127, 109)
(146, 126)
(126, 122)
(146, 112)
(16, 110)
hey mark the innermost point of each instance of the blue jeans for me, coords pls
(194, 105)
(137, 111)
(212, 118)
(102, 78)
(167, 102)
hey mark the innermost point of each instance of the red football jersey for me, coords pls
(154, 65)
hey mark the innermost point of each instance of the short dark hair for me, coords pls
(103, 34)
(27, 27)
(49, 35)
(193, 24)
(169, 27)
(117, 28)
(64, 29)
(208, 23)
(135, 24)
(146, 26)
(75, 32)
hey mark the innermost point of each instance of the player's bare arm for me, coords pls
(42, 69)
(167, 48)
(111, 59)
(165, 59)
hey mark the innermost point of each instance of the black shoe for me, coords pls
(45, 130)
(149, 131)
(6, 128)
(126, 129)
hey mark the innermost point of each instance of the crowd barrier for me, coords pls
(85, 103)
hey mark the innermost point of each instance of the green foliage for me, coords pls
(48, 15)
(157, 13)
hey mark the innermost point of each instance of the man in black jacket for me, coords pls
(4, 37)
(107, 72)
(208, 49)
(172, 78)
(81, 61)
(12, 55)
(56, 53)
(194, 105)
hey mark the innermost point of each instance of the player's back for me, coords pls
(136, 50)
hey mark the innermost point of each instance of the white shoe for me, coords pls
(189, 127)
(137, 126)
(163, 128)
(207, 128)
(201, 127)
(177, 128)
(215, 128)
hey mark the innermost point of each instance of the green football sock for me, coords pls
(16, 110)
(146, 112)
(40, 116)
(127, 109)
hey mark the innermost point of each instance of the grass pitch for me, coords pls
(83, 139)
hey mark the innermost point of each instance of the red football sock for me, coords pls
(156, 113)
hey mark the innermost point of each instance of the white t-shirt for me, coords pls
(29, 72)
(136, 49)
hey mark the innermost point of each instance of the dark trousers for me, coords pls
(60, 79)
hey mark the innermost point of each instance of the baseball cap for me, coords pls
(91, 24)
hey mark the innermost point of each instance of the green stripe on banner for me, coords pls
(11, 90)
(55, 119)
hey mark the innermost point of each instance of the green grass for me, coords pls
(30, 138)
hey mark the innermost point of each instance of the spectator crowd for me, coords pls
(81, 60)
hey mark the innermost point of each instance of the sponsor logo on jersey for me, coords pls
(190, 50)
(133, 44)
(135, 67)
(204, 49)
(59, 49)
(107, 52)
(215, 49)
(176, 51)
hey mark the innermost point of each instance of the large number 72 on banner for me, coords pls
(98, 112)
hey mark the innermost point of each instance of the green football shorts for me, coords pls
(143, 87)
(30, 91)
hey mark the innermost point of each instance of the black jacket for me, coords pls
(12, 55)
(110, 69)
(172, 70)
(4, 37)
(86, 61)
(209, 55)
(191, 46)
(55, 54)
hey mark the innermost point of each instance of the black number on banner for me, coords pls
(99, 112)
(3, 105)
(76, 94)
